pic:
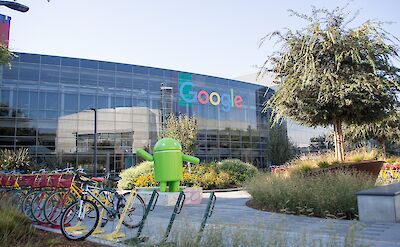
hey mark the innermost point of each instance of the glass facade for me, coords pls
(47, 105)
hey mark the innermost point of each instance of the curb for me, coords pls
(224, 190)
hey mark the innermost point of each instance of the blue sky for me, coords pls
(213, 37)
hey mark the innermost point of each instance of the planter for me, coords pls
(193, 195)
(371, 167)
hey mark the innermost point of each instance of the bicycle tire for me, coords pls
(135, 214)
(37, 208)
(55, 204)
(27, 204)
(88, 223)
(108, 200)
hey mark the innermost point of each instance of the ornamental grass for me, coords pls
(328, 195)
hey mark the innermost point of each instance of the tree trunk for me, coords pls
(383, 145)
(339, 140)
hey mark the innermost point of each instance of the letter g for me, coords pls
(185, 97)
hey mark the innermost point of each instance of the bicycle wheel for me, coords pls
(135, 211)
(27, 204)
(37, 208)
(75, 223)
(55, 204)
(15, 198)
(109, 197)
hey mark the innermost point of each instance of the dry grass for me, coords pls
(306, 163)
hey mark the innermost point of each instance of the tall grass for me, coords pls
(330, 194)
(270, 235)
(15, 228)
(308, 162)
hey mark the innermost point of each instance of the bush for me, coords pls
(130, 175)
(19, 160)
(330, 194)
(145, 181)
(206, 176)
(238, 170)
(226, 174)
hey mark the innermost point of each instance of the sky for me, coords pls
(212, 37)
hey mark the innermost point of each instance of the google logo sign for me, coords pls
(227, 100)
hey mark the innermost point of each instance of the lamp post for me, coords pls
(95, 142)
(15, 6)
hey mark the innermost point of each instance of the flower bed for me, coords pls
(230, 173)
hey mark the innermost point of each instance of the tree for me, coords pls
(333, 75)
(278, 149)
(6, 56)
(183, 129)
(385, 130)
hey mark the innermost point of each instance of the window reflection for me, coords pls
(44, 103)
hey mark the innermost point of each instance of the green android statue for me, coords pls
(168, 157)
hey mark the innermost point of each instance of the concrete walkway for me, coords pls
(238, 224)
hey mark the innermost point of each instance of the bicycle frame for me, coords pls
(87, 190)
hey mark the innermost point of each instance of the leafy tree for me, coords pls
(321, 142)
(183, 129)
(333, 75)
(6, 56)
(278, 149)
(385, 130)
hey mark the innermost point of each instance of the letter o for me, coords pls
(212, 98)
(200, 99)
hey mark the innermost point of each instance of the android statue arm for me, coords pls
(145, 155)
(190, 159)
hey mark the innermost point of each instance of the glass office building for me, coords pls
(48, 103)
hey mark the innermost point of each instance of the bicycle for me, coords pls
(80, 219)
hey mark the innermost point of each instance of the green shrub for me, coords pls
(238, 170)
(227, 174)
(206, 176)
(128, 176)
(330, 194)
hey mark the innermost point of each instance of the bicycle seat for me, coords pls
(98, 179)
(114, 178)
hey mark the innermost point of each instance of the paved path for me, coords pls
(237, 223)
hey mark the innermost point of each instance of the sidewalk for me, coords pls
(235, 220)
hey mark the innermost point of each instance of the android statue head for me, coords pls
(167, 144)
(168, 157)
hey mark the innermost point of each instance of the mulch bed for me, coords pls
(43, 238)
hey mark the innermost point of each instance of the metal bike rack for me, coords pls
(150, 207)
(116, 234)
(207, 214)
(177, 210)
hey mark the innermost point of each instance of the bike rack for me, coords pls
(150, 207)
(116, 234)
(207, 214)
(177, 210)
(98, 229)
